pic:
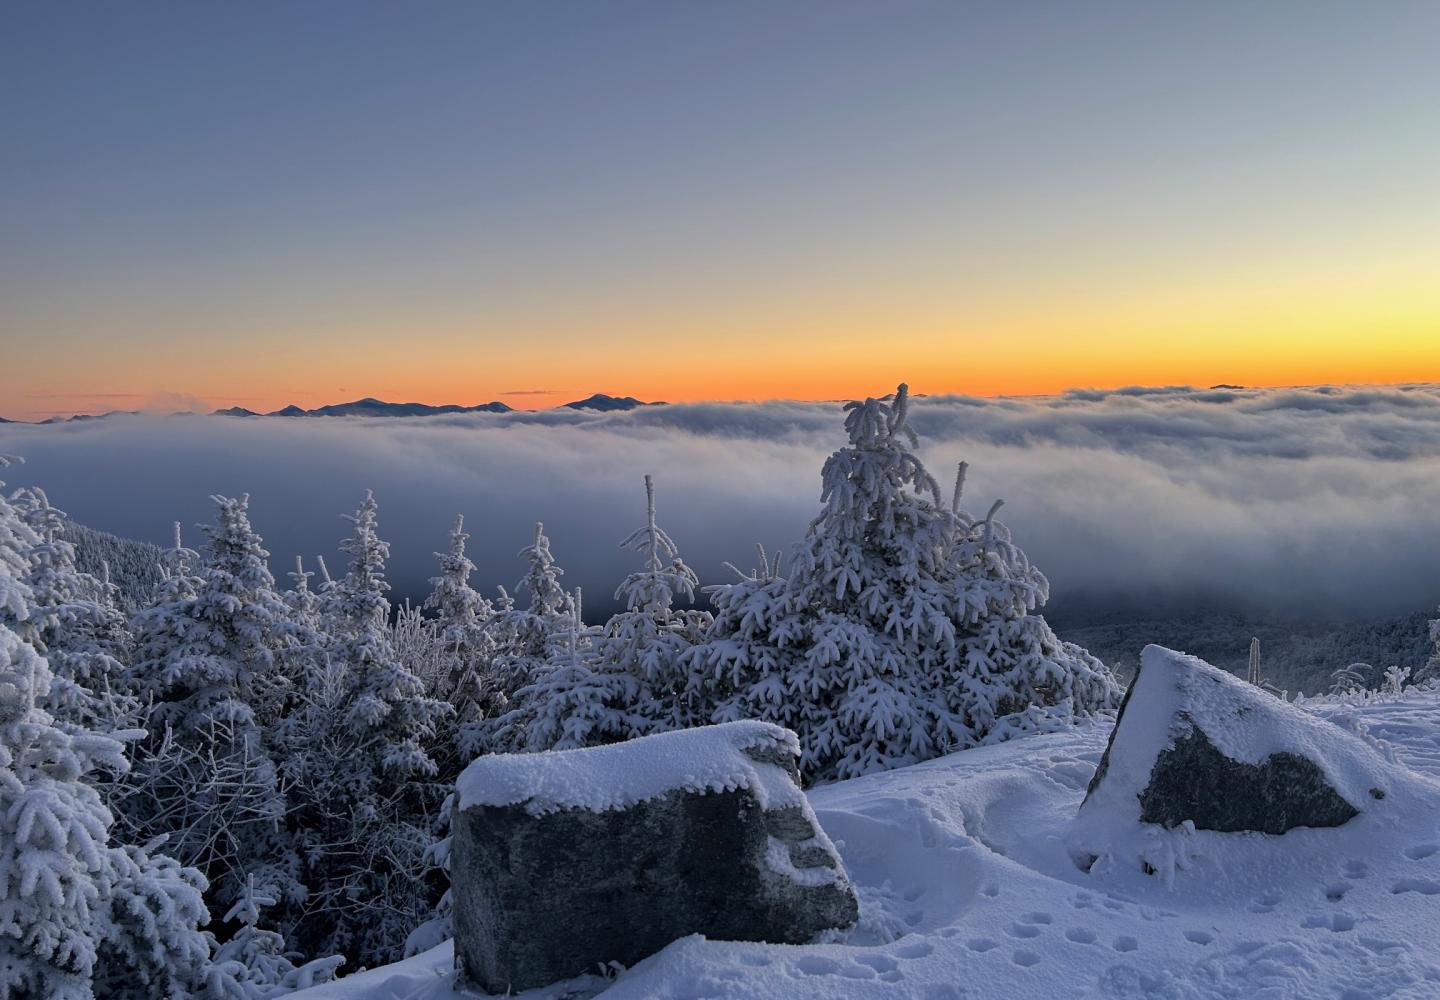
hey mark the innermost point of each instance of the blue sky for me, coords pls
(549, 194)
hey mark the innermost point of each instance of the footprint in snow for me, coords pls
(1421, 851)
(1125, 943)
(1335, 922)
(913, 949)
(1025, 958)
(1037, 917)
(1023, 930)
(816, 965)
(1265, 903)
(1335, 893)
(1380, 946)
(1355, 868)
(878, 962)
(1199, 937)
(1424, 886)
(981, 944)
(1080, 935)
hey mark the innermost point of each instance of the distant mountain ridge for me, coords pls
(609, 404)
(371, 407)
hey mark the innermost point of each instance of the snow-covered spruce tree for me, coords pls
(158, 627)
(256, 958)
(206, 777)
(629, 682)
(79, 918)
(905, 628)
(466, 643)
(568, 704)
(304, 603)
(523, 637)
(388, 705)
(542, 578)
(648, 639)
(75, 625)
(362, 783)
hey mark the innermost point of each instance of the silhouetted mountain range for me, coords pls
(608, 404)
(371, 407)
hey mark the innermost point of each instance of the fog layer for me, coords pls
(1321, 502)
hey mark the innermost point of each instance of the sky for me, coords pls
(264, 203)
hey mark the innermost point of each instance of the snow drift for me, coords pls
(968, 890)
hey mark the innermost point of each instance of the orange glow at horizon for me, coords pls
(1305, 325)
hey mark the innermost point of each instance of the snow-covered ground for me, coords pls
(968, 891)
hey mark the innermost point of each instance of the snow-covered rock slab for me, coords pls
(564, 861)
(1195, 744)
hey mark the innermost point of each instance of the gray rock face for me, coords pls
(541, 898)
(1195, 743)
(1193, 780)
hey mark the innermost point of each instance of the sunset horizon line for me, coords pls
(171, 403)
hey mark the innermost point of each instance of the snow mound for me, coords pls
(734, 755)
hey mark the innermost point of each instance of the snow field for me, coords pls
(969, 892)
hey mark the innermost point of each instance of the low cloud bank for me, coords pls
(1317, 503)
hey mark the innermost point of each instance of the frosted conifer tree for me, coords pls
(466, 643)
(255, 959)
(79, 918)
(361, 777)
(523, 636)
(387, 704)
(542, 578)
(74, 624)
(160, 626)
(568, 704)
(303, 602)
(905, 627)
(207, 777)
(630, 682)
(648, 638)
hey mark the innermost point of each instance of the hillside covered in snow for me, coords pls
(968, 890)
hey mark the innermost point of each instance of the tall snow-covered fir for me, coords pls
(525, 637)
(467, 643)
(356, 752)
(621, 680)
(74, 624)
(904, 629)
(80, 917)
(212, 669)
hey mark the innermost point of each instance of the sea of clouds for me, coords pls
(1321, 503)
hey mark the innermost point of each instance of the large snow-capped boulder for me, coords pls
(564, 861)
(1195, 743)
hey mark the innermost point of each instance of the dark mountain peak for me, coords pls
(372, 407)
(608, 404)
(235, 411)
